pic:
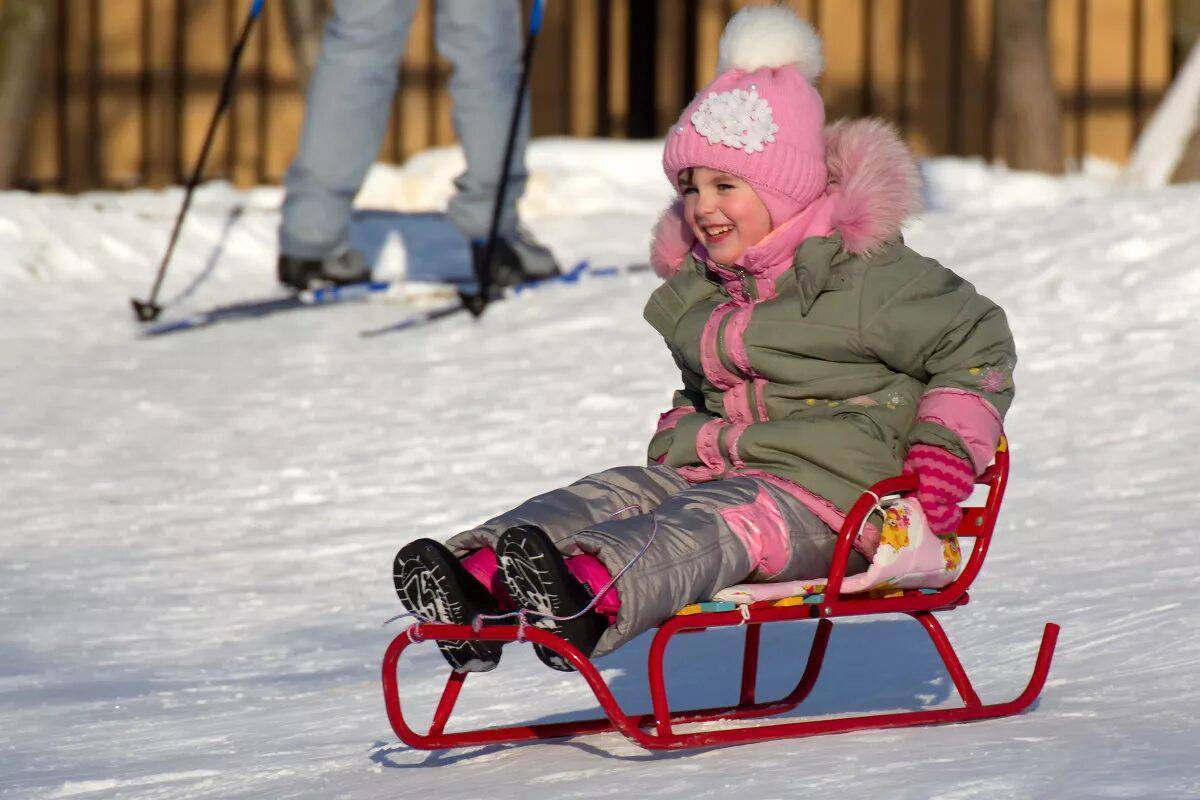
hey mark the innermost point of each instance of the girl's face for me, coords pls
(723, 211)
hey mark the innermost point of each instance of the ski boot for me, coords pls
(517, 259)
(341, 267)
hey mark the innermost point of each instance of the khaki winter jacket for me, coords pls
(824, 367)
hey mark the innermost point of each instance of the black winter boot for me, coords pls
(341, 267)
(432, 582)
(537, 578)
(518, 260)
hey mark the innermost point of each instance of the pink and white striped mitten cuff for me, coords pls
(943, 481)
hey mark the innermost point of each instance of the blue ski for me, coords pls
(253, 309)
(571, 276)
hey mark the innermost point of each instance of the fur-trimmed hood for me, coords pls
(873, 181)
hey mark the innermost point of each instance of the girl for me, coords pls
(818, 356)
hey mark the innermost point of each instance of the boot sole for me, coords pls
(537, 579)
(428, 586)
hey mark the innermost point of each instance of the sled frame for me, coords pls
(656, 730)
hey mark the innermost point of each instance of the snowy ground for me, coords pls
(198, 529)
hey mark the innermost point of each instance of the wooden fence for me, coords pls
(129, 85)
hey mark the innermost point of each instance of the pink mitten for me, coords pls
(943, 481)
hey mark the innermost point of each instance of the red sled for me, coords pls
(657, 730)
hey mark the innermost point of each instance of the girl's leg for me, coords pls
(597, 498)
(431, 580)
(701, 540)
(588, 570)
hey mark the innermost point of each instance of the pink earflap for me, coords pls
(671, 241)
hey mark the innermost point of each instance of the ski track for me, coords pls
(198, 529)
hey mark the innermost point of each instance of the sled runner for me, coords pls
(657, 730)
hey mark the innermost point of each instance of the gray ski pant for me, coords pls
(349, 98)
(700, 538)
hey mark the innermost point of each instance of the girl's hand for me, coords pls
(943, 481)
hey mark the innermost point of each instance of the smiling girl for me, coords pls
(817, 354)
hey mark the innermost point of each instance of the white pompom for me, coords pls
(770, 36)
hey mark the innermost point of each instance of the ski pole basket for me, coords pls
(657, 730)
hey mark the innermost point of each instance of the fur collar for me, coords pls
(873, 181)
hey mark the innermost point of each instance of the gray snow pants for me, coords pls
(707, 537)
(349, 98)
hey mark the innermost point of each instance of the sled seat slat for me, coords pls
(714, 606)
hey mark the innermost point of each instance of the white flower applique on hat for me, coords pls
(736, 118)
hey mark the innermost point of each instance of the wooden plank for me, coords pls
(669, 66)
(416, 84)
(618, 68)
(1109, 79)
(77, 153)
(91, 147)
(886, 60)
(805, 9)
(583, 62)
(245, 135)
(158, 105)
(1066, 60)
(710, 21)
(842, 26)
(230, 123)
(39, 165)
(285, 102)
(205, 56)
(976, 89)
(548, 84)
(1154, 62)
(927, 66)
(120, 29)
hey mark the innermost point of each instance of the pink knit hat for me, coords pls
(761, 118)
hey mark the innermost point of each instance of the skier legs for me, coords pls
(349, 99)
(483, 43)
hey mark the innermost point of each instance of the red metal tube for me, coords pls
(445, 705)
(749, 665)
(942, 644)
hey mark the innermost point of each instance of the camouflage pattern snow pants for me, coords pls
(706, 537)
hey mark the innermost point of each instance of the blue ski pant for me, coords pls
(350, 96)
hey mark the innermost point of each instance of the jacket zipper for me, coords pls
(721, 354)
(751, 289)
(752, 400)
(748, 283)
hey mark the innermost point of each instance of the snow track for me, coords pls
(198, 531)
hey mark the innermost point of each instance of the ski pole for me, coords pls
(148, 310)
(483, 269)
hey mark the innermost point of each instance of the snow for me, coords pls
(198, 529)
